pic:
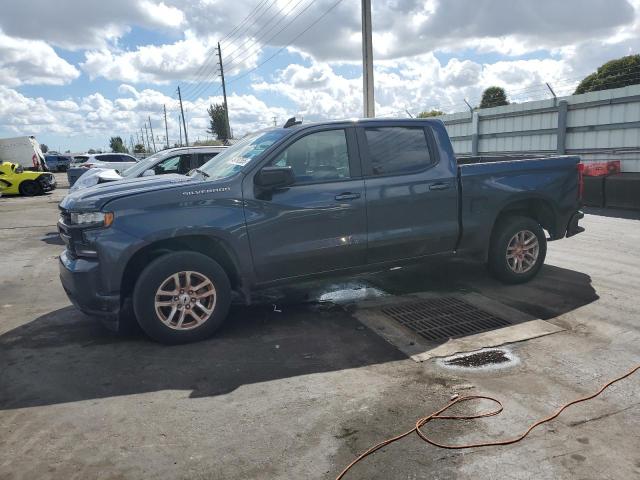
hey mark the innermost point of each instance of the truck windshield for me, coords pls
(237, 156)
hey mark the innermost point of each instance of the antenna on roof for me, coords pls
(292, 122)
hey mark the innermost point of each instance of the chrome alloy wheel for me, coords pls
(185, 300)
(522, 251)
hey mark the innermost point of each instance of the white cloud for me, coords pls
(161, 14)
(95, 115)
(32, 62)
(160, 64)
(78, 24)
(528, 43)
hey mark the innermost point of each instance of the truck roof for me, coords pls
(355, 121)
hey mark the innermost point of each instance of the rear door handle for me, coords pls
(347, 196)
(439, 186)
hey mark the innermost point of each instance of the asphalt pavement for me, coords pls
(297, 386)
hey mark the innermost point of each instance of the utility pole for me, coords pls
(131, 143)
(184, 124)
(166, 128)
(275, 119)
(224, 92)
(180, 130)
(152, 137)
(367, 61)
(147, 134)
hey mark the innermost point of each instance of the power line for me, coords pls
(202, 87)
(236, 28)
(257, 37)
(209, 55)
(212, 71)
(238, 63)
(288, 44)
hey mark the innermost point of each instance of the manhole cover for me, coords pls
(443, 318)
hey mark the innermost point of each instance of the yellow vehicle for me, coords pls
(16, 181)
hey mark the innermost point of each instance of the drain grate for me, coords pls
(443, 318)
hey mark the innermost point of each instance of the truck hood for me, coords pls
(95, 197)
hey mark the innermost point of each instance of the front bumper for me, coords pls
(80, 278)
(573, 228)
(48, 182)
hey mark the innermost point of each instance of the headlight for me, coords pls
(92, 218)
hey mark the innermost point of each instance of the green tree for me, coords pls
(44, 147)
(139, 148)
(117, 145)
(218, 122)
(430, 113)
(91, 151)
(613, 74)
(494, 97)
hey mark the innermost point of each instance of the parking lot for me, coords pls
(299, 385)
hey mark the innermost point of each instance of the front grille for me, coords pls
(65, 216)
(69, 236)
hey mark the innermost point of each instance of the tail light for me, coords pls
(580, 180)
(87, 165)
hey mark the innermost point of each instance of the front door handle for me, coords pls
(347, 196)
(439, 186)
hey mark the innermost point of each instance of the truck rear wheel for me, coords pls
(181, 297)
(517, 250)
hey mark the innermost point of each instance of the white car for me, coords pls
(180, 160)
(116, 161)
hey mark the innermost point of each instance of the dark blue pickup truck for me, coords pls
(292, 203)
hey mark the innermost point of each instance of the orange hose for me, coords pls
(437, 416)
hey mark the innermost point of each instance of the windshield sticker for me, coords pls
(241, 161)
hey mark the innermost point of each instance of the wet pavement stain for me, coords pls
(486, 359)
(479, 359)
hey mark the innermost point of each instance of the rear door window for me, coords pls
(397, 150)
(108, 158)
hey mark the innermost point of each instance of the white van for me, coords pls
(24, 151)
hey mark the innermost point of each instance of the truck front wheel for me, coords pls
(517, 250)
(181, 297)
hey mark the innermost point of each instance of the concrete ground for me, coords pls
(298, 393)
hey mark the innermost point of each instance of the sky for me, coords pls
(76, 72)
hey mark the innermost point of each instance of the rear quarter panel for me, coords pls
(487, 189)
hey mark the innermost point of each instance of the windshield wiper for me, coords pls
(204, 174)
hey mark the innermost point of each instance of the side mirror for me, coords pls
(148, 173)
(275, 177)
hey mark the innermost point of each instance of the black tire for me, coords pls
(156, 274)
(503, 233)
(30, 188)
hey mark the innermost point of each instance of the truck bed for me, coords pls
(550, 185)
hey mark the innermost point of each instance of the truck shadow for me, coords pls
(64, 356)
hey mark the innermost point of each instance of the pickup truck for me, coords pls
(287, 204)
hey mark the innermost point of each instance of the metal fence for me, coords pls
(598, 126)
